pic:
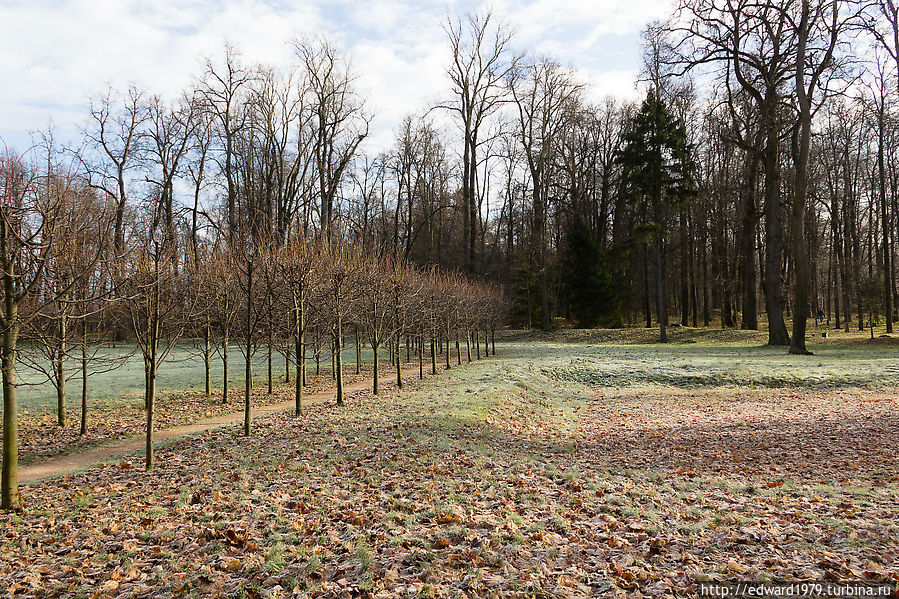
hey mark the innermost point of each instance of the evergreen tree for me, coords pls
(525, 309)
(586, 281)
(659, 170)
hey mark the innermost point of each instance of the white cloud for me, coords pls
(54, 54)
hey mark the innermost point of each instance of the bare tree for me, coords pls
(297, 264)
(169, 131)
(751, 42)
(337, 298)
(222, 90)
(818, 30)
(480, 63)
(115, 134)
(545, 95)
(35, 218)
(375, 308)
(159, 302)
(339, 121)
(83, 234)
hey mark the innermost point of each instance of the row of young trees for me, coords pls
(69, 291)
(220, 217)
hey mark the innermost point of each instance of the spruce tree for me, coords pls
(586, 282)
(659, 170)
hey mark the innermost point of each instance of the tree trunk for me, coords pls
(301, 357)
(421, 357)
(83, 430)
(802, 280)
(887, 258)
(338, 361)
(399, 374)
(433, 355)
(60, 373)
(661, 303)
(467, 201)
(647, 311)
(206, 359)
(301, 360)
(248, 361)
(9, 490)
(374, 378)
(684, 271)
(748, 224)
(270, 341)
(225, 368)
(287, 353)
(358, 349)
(150, 401)
(447, 348)
(777, 327)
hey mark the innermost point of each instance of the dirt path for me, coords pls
(63, 464)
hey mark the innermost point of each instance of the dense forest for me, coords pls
(754, 185)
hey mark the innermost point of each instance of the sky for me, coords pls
(56, 54)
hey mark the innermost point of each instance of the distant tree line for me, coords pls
(755, 184)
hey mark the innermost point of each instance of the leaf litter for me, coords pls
(490, 481)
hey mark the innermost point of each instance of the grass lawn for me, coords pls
(555, 469)
(182, 371)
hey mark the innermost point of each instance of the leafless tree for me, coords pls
(115, 134)
(481, 61)
(36, 218)
(545, 96)
(338, 119)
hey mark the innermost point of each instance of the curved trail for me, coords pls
(81, 459)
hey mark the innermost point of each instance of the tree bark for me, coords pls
(748, 224)
(248, 361)
(374, 378)
(800, 254)
(338, 360)
(299, 334)
(887, 258)
(777, 327)
(83, 430)
(225, 368)
(661, 300)
(421, 357)
(433, 355)
(9, 490)
(399, 373)
(60, 373)
(206, 359)
(150, 400)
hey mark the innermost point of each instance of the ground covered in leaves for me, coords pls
(500, 478)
